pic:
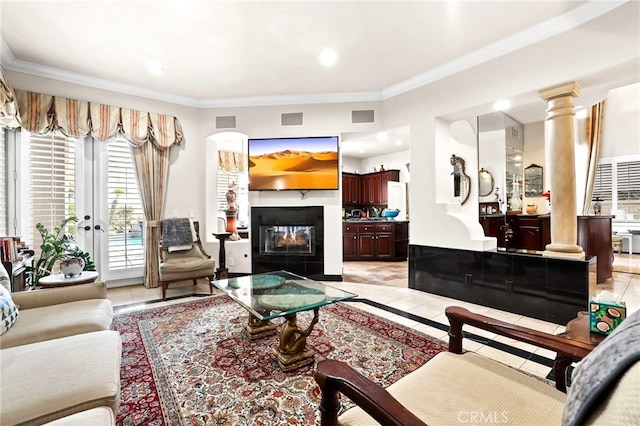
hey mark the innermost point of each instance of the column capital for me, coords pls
(567, 89)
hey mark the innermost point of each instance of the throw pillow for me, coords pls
(8, 310)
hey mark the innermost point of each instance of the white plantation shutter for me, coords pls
(628, 186)
(51, 180)
(603, 186)
(125, 209)
(224, 180)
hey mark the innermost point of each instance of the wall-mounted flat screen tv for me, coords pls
(278, 164)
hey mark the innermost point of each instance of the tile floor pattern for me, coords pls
(385, 286)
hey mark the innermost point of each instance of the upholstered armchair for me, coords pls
(456, 387)
(187, 264)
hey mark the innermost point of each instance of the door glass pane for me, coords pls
(125, 209)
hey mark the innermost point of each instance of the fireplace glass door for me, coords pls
(287, 239)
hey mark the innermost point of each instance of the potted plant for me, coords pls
(57, 246)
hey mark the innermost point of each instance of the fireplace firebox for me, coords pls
(293, 240)
(288, 238)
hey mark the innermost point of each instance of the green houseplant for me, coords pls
(57, 246)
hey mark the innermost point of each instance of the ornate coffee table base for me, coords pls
(292, 362)
(257, 329)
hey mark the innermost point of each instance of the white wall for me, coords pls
(621, 130)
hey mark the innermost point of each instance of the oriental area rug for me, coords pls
(191, 364)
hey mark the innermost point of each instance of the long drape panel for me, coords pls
(594, 141)
(9, 116)
(152, 169)
(151, 136)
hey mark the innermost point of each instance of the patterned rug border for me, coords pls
(161, 389)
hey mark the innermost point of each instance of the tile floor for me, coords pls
(382, 290)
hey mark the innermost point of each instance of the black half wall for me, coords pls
(548, 288)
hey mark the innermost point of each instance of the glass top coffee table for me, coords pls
(282, 294)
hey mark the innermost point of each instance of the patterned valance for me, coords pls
(228, 161)
(41, 114)
(8, 109)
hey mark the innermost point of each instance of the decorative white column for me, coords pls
(560, 140)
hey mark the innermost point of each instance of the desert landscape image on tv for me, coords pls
(293, 163)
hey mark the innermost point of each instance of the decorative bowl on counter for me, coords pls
(390, 213)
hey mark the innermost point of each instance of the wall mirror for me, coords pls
(485, 183)
(461, 182)
(533, 181)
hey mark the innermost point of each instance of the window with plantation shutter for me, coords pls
(51, 183)
(241, 179)
(628, 186)
(125, 249)
(603, 186)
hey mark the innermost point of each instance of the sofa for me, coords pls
(60, 312)
(464, 387)
(60, 361)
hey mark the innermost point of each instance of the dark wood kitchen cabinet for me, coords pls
(375, 240)
(349, 241)
(369, 189)
(351, 189)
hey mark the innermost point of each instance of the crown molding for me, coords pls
(318, 98)
(570, 20)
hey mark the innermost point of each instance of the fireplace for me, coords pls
(288, 238)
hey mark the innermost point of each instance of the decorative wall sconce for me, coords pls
(461, 182)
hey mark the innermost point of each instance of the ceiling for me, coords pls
(243, 53)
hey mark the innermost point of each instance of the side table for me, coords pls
(222, 271)
(59, 280)
(577, 330)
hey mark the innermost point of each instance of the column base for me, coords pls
(564, 251)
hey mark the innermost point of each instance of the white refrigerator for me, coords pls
(397, 194)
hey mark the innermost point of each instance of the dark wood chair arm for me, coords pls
(336, 377)
(459, 316)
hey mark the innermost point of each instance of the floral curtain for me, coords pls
(151, 136)
(228, 161)
(594, 141)
(9, 116)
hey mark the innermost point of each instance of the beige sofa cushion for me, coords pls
(101, 416)
(457, 389)
(51, 322)
(49, 380)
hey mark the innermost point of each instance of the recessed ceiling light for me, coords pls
(155, 68)
(328, 57)
(502, 105)
(398, 142)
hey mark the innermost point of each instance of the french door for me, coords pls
(94, 181)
